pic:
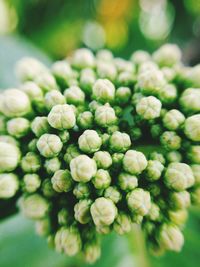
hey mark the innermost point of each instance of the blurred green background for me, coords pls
(51, 29)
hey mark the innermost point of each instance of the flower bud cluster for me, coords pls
(97, 143)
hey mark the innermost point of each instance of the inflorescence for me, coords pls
(96, 143)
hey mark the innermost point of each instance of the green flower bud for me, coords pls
(62, 181)
(174, 156)
(83, 168)
(34, 206)
(170, 140)
(123, 95)
(127, 182)
(149, 108)
(157, 156)
(18, 127)
(173, 119)
(103, 211)
(52, 165)
(32, 145)
(9, 140)
(43, 227)
(179, 176)
(120, 142)
(106, 70)
(62, 117)
(81, 191)
(87, 80)
(168, 94)
(196, 173)
(101, 179)
(31, 182)
(82, 211)
(47, 188)
(29, 68)
(154, 170)
(151, 81)
(194, 154)
(49, 145)
(103, 91)
(83, 58)
(85, 120)
(105, 116)
(33, 91)
(71, 153)
(89, 141)
(139, 201)
(170, 237)
(136, 218)
(140, 56)
(180, 200)
(178, 217)
(167, 55)
(74, 95)
(40, 126)
(54, 98)
(103, 159)
(92, 252)
(113, 194)
(154, 212)
(64, 136)
(68, 240)
(195, 196)
(190, 100)
(64, 217)
(134, 162)
(103, 229)
(46, 81)
(9, 157)
(192, 127)
(15, 103)
(30, 163)
(111, 129)
(9, 185)
(122, 224)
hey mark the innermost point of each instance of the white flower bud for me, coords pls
(113, 194)
(54, 98)
(103, 159)
(49, 145)
(154, 170)
(105, 116)
(119, 142)
(31, 182)
(122, 224)
(92, 252)
(62, 181)
(30, 163)
(173, 119)
(33, 91)
(196, 173)
(180, 200)
(18, 127)
(52, 165)
(194, 154)
(82, 211)
(168, 94)
(190, 100)
(103, 91)
(74, 95)
(134, 162)
(83, 58)
(89, 141)
(9, 140)
(9, 185)
(46, 81)
(192, 127)
(43, 227)
(140, 57)
(127, 182)
(149, 108)
(101, 179)
(40, 126)
(9, 157)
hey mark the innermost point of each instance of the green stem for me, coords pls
(138, 247)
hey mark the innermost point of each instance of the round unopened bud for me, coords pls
(134, 162)
(32, 145)
(33, 91)
(123, 95)
(43, 227)
(174, 156)
(103, 159)
(105, 55)
(157, 156)
(154, 212)
(122, 224)
(15, 103)
(64, 217)
(192, 127)
(82, 211)
(170, 237)
(101, 179)
(173, 119)
(9, 184)
(83, 168)
(2, 124)
(168, 94)
(62, 181)
(103, 211)
(71, 153)
(178, 217)
(30, 163)
(68, 240)
(149, 108)
(127, 182)
(18, 127)
(167, 55)
(106, 70)
(140, 56)
(180, 200)
(40, 126)
(34, 206)
(139, 201)
(113, 194)
(46, 81)
(92, 251)
(49, 145)
(9, 140)
(103, 91)
(179, 176)
(52, 165)
(195, 196)
(87, 80)
(62, 117)
(62, 71)
(74, 95)
(154, 170)
(196, 173)
(9, 157)
(89, 141)
(54, 98)
(105, 116)
(85, 120)
(119, 142)
(81, 191)
(169, 74)
(194, 154)
(83, 58)
(190, 100)
(31, 182)
(170, 140)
